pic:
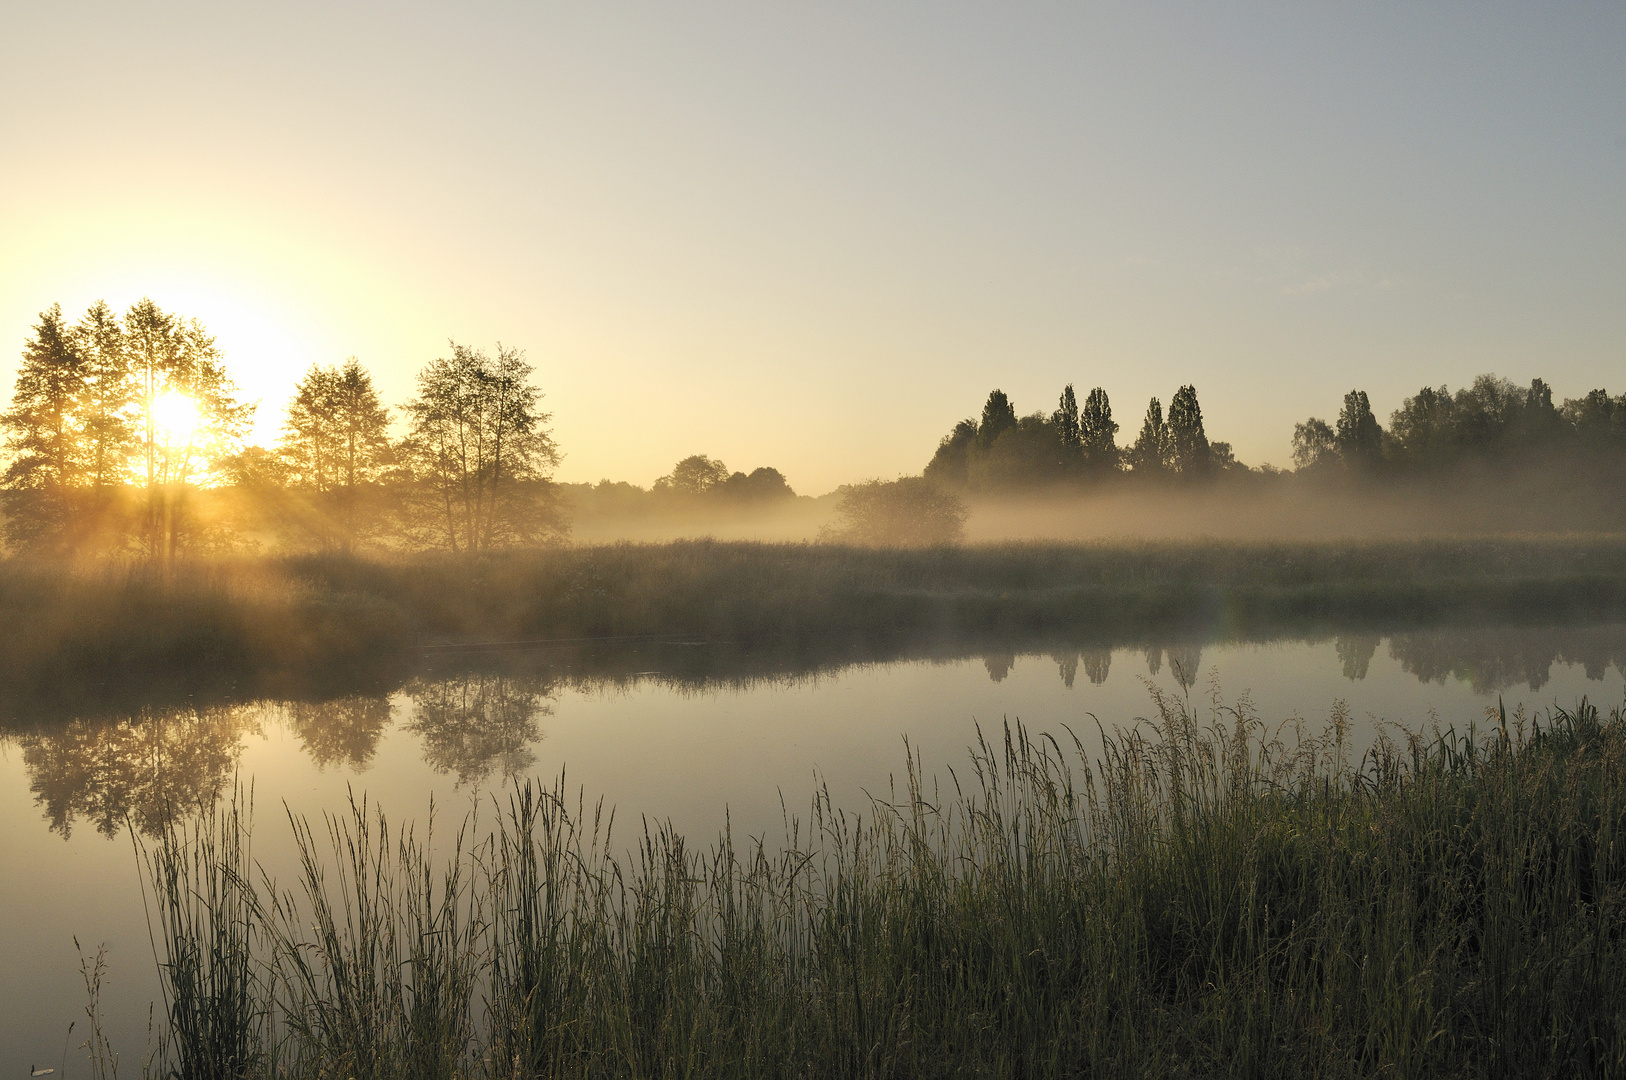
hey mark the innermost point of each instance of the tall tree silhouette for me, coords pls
(481, 452)
(1359, 438)
(336, 442)
(1098, 432)
(42, 436)
(1188, 443)
(1066, 420)
(1150, 454)
(176, 360)
(998, 417)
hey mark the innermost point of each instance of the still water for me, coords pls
(665, 731)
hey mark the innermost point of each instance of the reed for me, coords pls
(1204, 897)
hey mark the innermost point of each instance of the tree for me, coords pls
(480, 453)
(1423, 427)
(1098, 432)
(950, 466)
(1596, 418)
(694, 475)
(1188, 444)
(1066, 420)
(910, 511)
(760, 485)
(1359, 438)
(105, 399)
(43, 438)
(189, 421)
(336, 442)
(1541, 426)
(1315, 444)
(998, 417)
(1150, 454)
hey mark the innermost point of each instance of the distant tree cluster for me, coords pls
(1075, 444)
(127, 434)
(911, 511)
(699, 475)
(1491, 422)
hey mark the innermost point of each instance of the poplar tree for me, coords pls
(1150, 454)
(1098, 432)
(1187, 442)
(1066, 420)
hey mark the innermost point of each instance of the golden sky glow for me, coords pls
(814, 238)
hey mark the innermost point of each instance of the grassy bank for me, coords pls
(288, 624)
(1202, 900)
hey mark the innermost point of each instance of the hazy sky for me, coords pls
(814, 236)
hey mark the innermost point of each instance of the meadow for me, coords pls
(1205, 897)
(306, 625)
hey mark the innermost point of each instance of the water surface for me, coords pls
(673, 730)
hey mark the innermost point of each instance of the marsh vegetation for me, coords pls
(335, 624)
(1207, 896)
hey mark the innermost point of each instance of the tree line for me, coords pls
(125, 433)
(1493, 421)
(1001, 450)
(1434, 433)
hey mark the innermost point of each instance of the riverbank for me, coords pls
(299, 626)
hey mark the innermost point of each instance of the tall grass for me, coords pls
(126, 636)
(1202, 898)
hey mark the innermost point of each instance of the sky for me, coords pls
(815, 236)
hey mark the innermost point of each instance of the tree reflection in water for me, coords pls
(471, 725)
(1185, 661)
(1355, 652)
(1497, 659)
(344, 731)
(135, 768)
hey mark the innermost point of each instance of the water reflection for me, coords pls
(342, 732)
(481, 717)
(478, 723)
(1498, 659)
(1355, 652)
(134, 769)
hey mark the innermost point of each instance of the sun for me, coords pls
(175, 415)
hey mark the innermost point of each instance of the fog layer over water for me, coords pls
(671, 730)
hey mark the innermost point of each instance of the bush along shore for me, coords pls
(280, 625)
(1205, 897)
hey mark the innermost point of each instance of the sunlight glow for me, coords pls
(176, 416)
